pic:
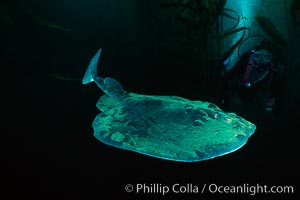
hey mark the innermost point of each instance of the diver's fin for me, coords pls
(91, 72)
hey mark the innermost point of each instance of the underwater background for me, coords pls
(151, 47)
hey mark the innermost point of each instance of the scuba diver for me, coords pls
(254, 77)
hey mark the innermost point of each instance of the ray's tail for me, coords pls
(91, 72)
(108, 85)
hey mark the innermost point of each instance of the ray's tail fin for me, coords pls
(109, 86)
(91, 72)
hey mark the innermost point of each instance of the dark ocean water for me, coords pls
(50, 151)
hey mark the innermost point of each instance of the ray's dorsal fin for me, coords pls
(113, 85)
(106, 103)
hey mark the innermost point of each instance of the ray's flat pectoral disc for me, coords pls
(166, 127)
(170, 127)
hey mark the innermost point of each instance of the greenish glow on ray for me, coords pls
(166, 127)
